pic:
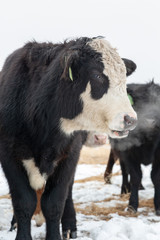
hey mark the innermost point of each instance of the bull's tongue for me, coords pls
(120, 133)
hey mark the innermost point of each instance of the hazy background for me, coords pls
(132, 26)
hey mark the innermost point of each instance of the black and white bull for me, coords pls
(142, 146)
(49, 94)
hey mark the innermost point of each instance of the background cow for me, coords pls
(142, 146)
(49, 94)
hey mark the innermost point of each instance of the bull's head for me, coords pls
(98, 100)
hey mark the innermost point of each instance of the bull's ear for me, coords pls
(130, 66)
(68, 61)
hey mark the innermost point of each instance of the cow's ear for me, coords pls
(130, 66)
(68, 61)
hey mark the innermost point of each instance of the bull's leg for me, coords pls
(108, 172)
(23, 196)
(125, 183)
(155, 175)
(56, 191)
(13, 224)
(53, 201)
(38, 216)
(136, 176)
(68, 220)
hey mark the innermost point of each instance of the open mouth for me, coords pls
(120, 133)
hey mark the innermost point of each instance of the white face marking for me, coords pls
(37, 181)
(106, 113)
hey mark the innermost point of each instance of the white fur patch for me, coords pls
(37, 181)
(39, 219)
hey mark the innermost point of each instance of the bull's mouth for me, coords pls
(119, 134)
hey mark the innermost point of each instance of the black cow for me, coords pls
(49, 94)
(142, 146)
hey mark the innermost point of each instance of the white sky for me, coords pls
(132, 26)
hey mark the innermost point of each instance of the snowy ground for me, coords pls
(101, 210)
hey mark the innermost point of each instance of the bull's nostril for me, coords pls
(129, 122)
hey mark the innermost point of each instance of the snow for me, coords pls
(90, 227)
(84, 172)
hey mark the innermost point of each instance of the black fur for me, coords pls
(142, 146)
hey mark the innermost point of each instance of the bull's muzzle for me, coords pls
(122, 124)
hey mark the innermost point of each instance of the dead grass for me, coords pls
(99, 178)
(104, 213)
(97, 155)
(5, 196)
(146, 203)
(89, 179)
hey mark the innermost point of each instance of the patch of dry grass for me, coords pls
(5, 196)
(99, 178)
(104, 213)
(97, 155)
(92, 178)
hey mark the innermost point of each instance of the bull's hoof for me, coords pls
(131, 209)
(69, 235)
(125, 190)
(107, 178)
(13, 227)
(158, 212)
(73, 234)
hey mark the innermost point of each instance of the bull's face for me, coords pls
(100, 75)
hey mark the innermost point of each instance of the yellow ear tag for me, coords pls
(70, 74)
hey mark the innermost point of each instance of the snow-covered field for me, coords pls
(101, 211)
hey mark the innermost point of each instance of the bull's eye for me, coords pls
(98, 77)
